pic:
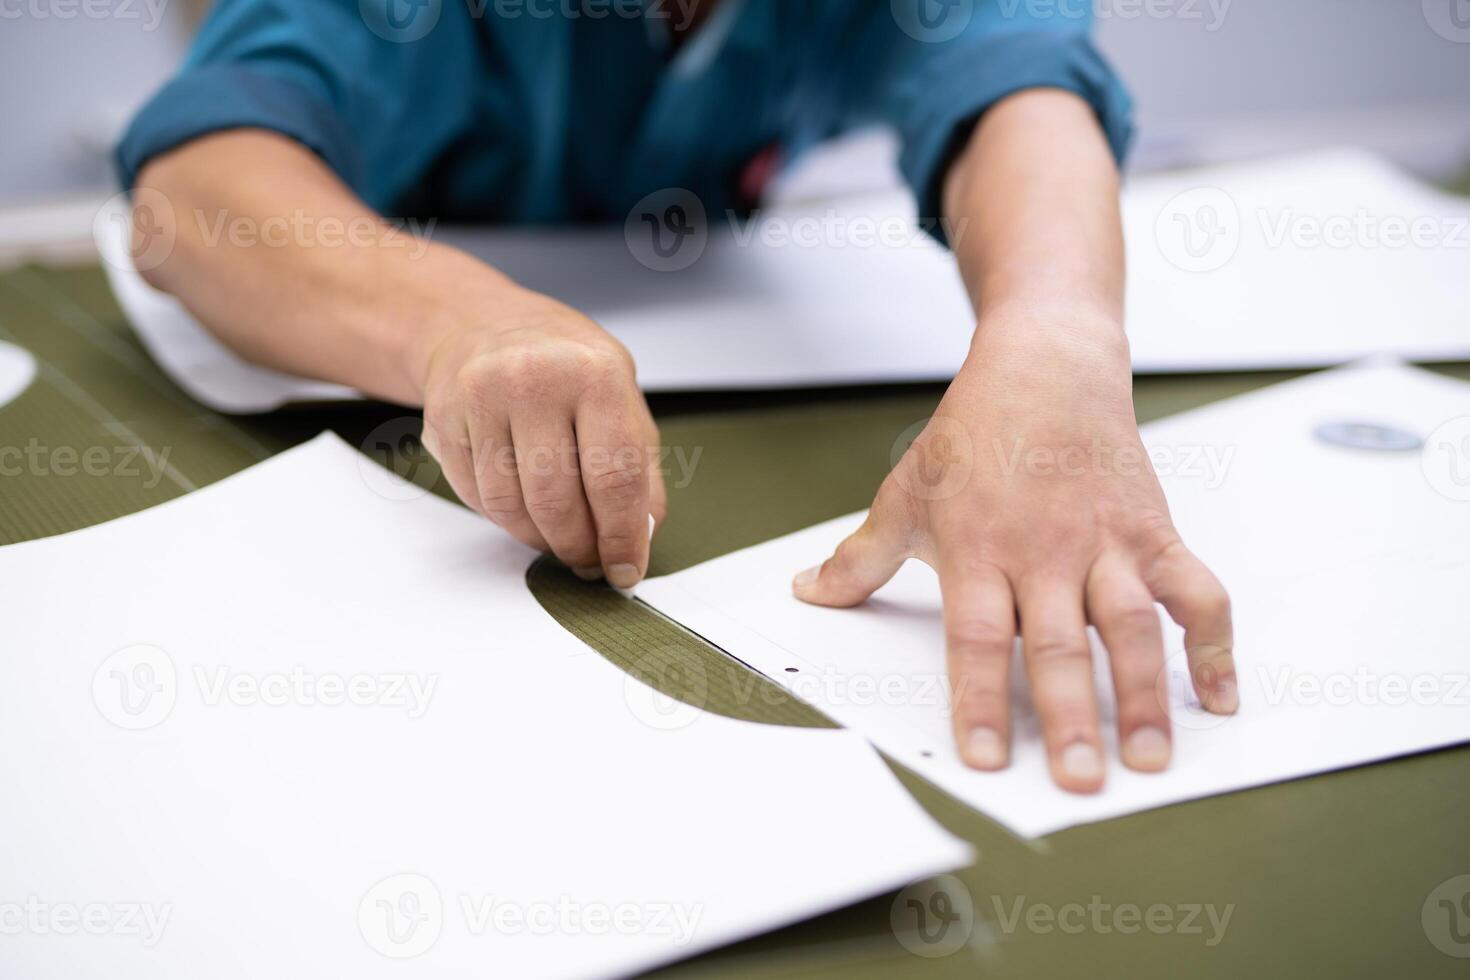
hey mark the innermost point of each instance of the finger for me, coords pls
(615, 480)
(862, 563)
(551, 485)
(449, 444)
(1059, 668)
(1197, 601)
(1122, 609)
(497, 478)
(980, 637)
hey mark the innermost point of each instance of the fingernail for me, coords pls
(1147, 748)
(1081, 762)
(588, 573)
(985, 749)
(623, 576)
(1227, 699)
(807, 579)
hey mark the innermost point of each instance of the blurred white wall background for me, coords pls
(70, 82)
(1243, 77)
(1214, 79)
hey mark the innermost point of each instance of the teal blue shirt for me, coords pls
(573, 110)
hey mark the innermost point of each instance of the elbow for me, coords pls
(152, 227)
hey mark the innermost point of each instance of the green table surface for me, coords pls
(1325, 877)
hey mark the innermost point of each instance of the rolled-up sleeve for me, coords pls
(939, 77)
(377, 99)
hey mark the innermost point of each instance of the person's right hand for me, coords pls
(539, 425)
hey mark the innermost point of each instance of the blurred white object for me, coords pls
(57, 231)
(326, 727)
(17, 371)
(1347, 572)
(1304, 261)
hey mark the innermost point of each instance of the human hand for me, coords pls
(1044, 550)
(539, 425)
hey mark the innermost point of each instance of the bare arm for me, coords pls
(531, 408)
(1030, 491)
(259, 261)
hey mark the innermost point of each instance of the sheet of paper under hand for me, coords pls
(309, 722)
(1311, 260)
(1348, 569)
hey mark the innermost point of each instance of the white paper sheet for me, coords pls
(1348, 571)
(310, 722)
(1306, 261)
(851, 292)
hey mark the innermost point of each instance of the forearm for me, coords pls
(1032, 203)
(282, 262)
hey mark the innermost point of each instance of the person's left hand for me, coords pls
(1031, 494)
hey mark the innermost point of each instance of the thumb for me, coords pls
(860, 565)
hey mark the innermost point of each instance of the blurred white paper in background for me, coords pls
(1306, 261)
(1348, 569)
(1303, 261)
(310, 721)
(17, 371)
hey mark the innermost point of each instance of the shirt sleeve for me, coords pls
(947, 61)
(376, 88)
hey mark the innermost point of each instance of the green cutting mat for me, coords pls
(1326, 876)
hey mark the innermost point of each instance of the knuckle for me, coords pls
(1132, 618)
(1207, 599)
(548, 507)
(617, 544)
(1059, 650)
(519, 364)
(1159, 544)
(979, 695)
(502, 508)
(604, 363)
(848, 555)
(480, 384)
(619, 477)
(1214, 598)
(579, 552)
(969, 635)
